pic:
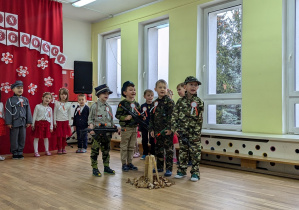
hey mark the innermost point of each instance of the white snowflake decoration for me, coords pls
(42, 63)
(48, 81)
(32, 88)
(22, 71)
(5, 87)
(54, 97)
(7, 58)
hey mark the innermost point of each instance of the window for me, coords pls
(292, 67)
(110, 66)
(222, 66)
(156, 53)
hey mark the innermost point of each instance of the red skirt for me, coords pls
(175, 139)
(63, 129)
(42, 129)
(2, 127)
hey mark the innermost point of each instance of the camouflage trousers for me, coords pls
(164, 142)
(184, 158)
(99, 142)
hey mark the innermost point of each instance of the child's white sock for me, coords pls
(35, 145)
(46, 141)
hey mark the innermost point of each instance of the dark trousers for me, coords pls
(145, 136)
(82, 139)
(164, 142)
(17, 140)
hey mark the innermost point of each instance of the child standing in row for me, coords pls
(145, 108)
(160, 121)
(187, 118)
(101, 113)
(62, 117)
(2, 123)
(17, 118)
(128, 125)
(42, 123)
(80, 122)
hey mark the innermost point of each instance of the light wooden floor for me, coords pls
(65, 182)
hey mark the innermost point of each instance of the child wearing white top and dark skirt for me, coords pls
(42, 124)
(62, 118)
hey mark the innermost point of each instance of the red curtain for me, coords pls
(41, 18)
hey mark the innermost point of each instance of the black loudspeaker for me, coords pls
(83, 77)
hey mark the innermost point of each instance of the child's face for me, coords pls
(81, 100)
(149, 96)
(46, 99)
(191, 87)
(130, 93)
(63, 97)
(18, 90)
(181, 91)
(104, 96)
(161, 89)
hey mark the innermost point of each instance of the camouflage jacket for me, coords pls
(160, 116)
(188, 119)
(122, 114)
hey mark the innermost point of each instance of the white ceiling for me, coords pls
(101, 9)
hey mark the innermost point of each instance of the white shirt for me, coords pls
(79, 108)
(1, 110)
(43, 113)
(62, 111)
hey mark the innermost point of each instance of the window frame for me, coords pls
(216, 99)
(145, 52)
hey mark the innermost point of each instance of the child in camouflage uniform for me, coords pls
(101, 113)
(160, 127)
(187, 118)
(128, 125)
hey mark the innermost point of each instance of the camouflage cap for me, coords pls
(192, 79)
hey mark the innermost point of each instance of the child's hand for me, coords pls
(144, 118)
(129, 117)
(28, 125)
(168, 132)
(55, 125)
(51, 130)
(9, 126)
(32, 128)
(153, 134)
(92, 133)
(74, 127)
(118, 130)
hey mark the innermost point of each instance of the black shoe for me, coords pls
(125, 168)
(21, 157)
(108, 170)
(15, 157)
(96, 172)
(159, 170)
(132, 167)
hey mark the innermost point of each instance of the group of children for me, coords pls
(164, 117)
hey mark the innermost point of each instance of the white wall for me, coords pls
(76, 41)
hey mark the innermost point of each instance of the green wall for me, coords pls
(261, 53)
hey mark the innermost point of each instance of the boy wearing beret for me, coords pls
(128, 125)
(101, 113)
(186, 122)
(17, 118)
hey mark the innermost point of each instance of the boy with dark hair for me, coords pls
(186, 124)
(145, 108)
(101, 113)
(160, 127)
(18, 117)
(80, 122)
(128, 125)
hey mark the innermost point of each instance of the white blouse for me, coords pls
(43, 113)
(1, 110)
(62, 111)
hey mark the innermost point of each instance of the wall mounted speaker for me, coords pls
(83, 77)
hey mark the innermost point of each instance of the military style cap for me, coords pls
(18, 83)
(102, 89)
(125, 85)
(192, 79)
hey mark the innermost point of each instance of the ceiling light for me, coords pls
(82, 3)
